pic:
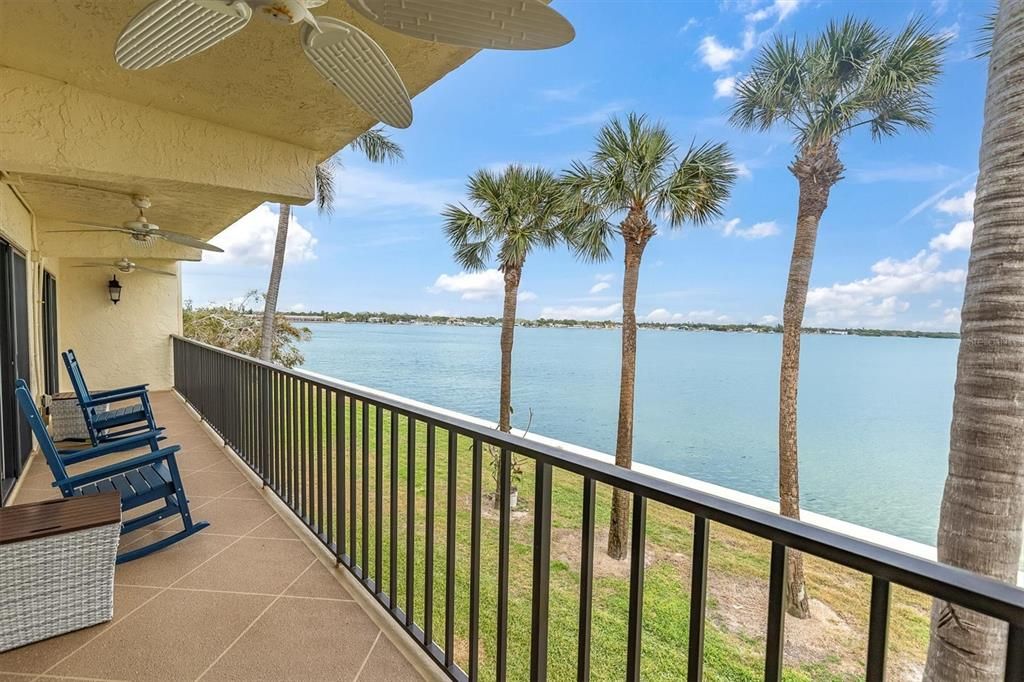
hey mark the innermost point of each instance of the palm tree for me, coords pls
(519, 209)
(981, 522)
(635, 174)
(378, 148)
(852, 75)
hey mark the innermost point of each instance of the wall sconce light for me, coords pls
(114, 287)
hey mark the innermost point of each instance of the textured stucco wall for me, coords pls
(16, 229)
(127, 343)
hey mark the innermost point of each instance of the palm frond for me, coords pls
(323, 176)
(853, 74)
(377, 146)
(700, 185)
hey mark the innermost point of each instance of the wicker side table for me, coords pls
(57, 562)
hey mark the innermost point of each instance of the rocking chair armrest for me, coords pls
(119, 468)
(93, 400)
(127, 443)
(123, 389)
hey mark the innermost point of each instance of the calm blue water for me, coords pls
(874, 412)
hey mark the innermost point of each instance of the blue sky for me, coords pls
(892, 249)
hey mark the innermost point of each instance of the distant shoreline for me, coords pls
(445, 321)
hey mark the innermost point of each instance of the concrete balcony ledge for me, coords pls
(253, 597)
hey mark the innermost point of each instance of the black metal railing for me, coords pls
(291, 428)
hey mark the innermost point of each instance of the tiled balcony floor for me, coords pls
(245, 599)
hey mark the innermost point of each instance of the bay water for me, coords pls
(874, 412)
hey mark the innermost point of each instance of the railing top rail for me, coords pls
(978, 592)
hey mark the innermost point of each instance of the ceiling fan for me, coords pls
(144, 232)
(126, 266)
(169, 30)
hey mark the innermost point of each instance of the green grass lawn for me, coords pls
(829, 648)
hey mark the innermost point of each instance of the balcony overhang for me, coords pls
(208, 138)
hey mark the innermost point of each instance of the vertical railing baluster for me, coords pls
(638, 540)
(428, 542)
(364, 533)
(331, 453)
(449, 564)
(1015, 654)
(698, 598)
(776, 614)
(878, 630)
(504, 521)
(378, 500)
(300, 454)
(541, 572)
(410, 521)
(339, 471)
(353, 429)
(474, 563)
(310, 457)
(295, 453)
(393, 515)
(586, 580)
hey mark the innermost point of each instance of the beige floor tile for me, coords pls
(387, 664)
(162, 568)
(257, 565)
(274, 527)
(228, 516)
(210, 483)
(175, 636)
(318, 582)
(38, 657)
(300, 639)
(245, 491)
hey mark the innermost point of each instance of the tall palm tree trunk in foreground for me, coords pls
(274, 287)
(635, 235)
(508, 328)
(817, 169)
(982, 516)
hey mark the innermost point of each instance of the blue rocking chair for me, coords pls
(140, 480)
(114, 424)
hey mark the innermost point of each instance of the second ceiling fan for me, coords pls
(170, 30)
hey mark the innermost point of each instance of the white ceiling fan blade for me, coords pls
(155, 271)
(355, 64)
(169, 30)
(179, 238)
(95, 265)
(494, 24)
(96, 226)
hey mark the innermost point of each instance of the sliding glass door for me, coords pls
(15, 437)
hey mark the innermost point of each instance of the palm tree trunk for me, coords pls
(982, 516)
(508, 327)
(635, 237)
(816, 170)
(274, 286)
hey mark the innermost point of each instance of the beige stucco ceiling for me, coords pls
(208, 138)
(258, 80)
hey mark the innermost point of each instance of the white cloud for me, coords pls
(567, 94)
(381, 194)
(596, 116)
(599, 287)
(940, 6)
(526, 296)
(250, 240)
(957, 239)
(908, 172)
(742, 169)
(780, 9)
(768, 319)
(962, 205)
(715, 55)
(951, 316)
(663, 315)
(731, 228)
(878, 297)
(931, 200)
(951, 32)
(725, 86)
(297, 308)
(690, 23)
(605, 277)
(471, 286)
(578, 312)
